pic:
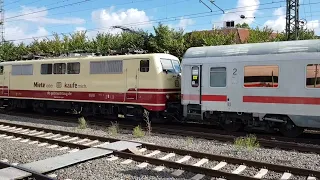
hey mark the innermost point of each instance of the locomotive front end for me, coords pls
(170, 72)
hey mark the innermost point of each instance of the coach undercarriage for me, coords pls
(238, 121)
(270, 123)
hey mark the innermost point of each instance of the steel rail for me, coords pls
(36, 175)
(140, 158)
(226, 138)
(198, 131)
(269, 166)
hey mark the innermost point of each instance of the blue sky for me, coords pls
(23, 19)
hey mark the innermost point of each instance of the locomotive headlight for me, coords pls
(167, 96)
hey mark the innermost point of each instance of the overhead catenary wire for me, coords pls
(230, 9)
(13, 2)
(56, 7)
(87, 9)
(194, 15)
(132, 2)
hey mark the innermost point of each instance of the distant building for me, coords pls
(241, 34)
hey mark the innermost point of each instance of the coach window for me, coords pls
(73, 68)
(46, 68)
(195, 76)
(59, 68)
(144, 66)
(1, 69)
(313, 76)
(218, 77)
(265, 76)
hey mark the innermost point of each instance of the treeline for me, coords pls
(164, 39)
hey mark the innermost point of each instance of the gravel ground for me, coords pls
(18, 152)
(103, 169)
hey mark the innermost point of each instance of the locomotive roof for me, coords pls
(254, 49)
(92, 58)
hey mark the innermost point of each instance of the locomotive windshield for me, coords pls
(171, 65)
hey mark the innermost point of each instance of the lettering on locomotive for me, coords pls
(74, 85)
(42, 85)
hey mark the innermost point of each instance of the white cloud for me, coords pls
(314, 24)
(16, 32)
(80, 29)
(32, 25)
(131, 18)
(279, 24)
(183, 23)
(248, 8)
(40, 16)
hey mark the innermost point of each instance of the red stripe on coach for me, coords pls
(282, 100)
(222, 98)
(192, 97)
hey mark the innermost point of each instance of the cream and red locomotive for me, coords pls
(264, 86)
(102, 85)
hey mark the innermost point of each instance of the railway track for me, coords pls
(78, 142)
(311, 145)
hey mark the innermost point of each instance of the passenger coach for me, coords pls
(123, 85)
(264, 86)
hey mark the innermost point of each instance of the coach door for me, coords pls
(4, 90)
(193, 87)
(131, 80)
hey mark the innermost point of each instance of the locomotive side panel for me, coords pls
(109, 85)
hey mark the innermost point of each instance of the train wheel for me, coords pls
(231, 124)
(290, 129)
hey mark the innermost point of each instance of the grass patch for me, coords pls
(249, 142)
(113, 129)
(138, 132)
(189, 141)
(82, 123)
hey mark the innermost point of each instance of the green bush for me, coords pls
(250, 142)
(82, 123)
(138, 132)
(113, 129)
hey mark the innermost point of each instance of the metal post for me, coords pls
(292, 20)
(1, 25)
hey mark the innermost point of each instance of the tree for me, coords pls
(243, 25)
(209, 38)
(261, 35)
(167, 40)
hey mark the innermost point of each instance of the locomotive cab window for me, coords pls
(46, 68)
(218, 77)
(73, 68)
(1, 70)
(265, 76)
(195, 76)
(59, 68)
(144, 66)
(313, 76)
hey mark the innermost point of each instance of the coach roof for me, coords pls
(254, 49)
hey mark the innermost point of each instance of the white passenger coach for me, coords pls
(267, 86)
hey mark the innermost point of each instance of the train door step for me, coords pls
(64, 160)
